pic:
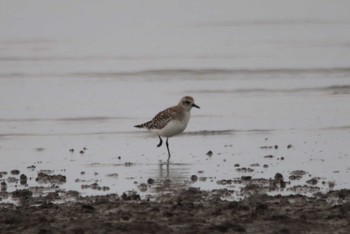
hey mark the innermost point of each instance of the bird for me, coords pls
(171, 121)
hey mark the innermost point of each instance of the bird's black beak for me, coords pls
(194, 105)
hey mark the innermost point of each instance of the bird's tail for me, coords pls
(144, 125)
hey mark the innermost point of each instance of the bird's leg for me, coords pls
(167, 146)
(160, 142)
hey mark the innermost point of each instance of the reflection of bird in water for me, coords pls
(171, 121)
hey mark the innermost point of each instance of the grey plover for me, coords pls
(171, 121)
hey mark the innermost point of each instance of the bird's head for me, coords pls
(187, 103)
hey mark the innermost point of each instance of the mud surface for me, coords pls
(185, 211)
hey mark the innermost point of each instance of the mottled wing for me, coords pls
(163, 118)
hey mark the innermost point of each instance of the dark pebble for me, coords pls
(278, 176)
(246, 178)
(209, 153)
(32, 167)
(23, 179)
(150, 181)
(3, 186)
(15, 172)
(312, 181)
(194, 178)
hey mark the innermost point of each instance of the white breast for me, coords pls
(174, 127)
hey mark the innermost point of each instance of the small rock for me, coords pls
(32, 167)
(23, 179)
(246, 178)
(194, 178)
(3, 186)
(142, 187)
(15, 172)
(209, 153)
(278, 176)
(150, 181)
(312, 181)
(289, 146)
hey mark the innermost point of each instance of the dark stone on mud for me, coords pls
(150, 181)
(276, 146)
(278, 176)
(194, 178)
(236, 165)
(32, 167)
(269, 156)
(23, 179)
(289, 146)
(81, 152)
(71, 150)
(142, 187)
(209, 153)
(15, 172)
(246, 178)
(312, 181)
(3, 186)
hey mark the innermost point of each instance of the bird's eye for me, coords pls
(187, 102)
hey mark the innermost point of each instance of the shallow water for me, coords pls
(260, 83)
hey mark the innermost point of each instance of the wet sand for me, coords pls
(186, 211)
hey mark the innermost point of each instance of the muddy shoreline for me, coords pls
(185, 211)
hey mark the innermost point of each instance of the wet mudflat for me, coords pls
(186, 211)
(268, 152)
